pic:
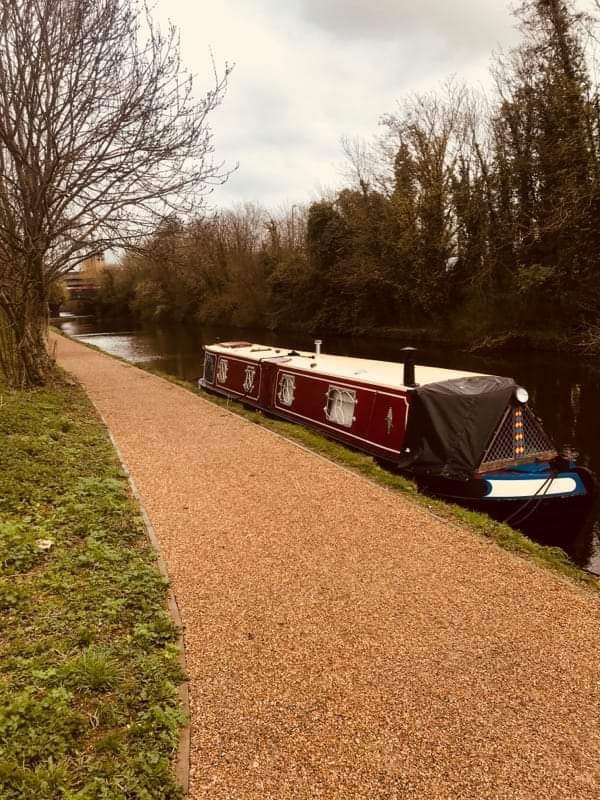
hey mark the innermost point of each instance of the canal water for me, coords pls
(564, 390)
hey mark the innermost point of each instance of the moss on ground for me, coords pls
(89, 665)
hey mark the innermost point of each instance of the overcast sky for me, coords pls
(308, 72)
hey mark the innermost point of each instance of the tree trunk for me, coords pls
(24, 357)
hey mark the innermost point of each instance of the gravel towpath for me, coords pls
(341, 642)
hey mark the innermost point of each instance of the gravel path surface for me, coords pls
(341, 642)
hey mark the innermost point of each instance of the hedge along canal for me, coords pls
(90, 670)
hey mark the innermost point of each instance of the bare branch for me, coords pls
(101, 137)
(100, 133)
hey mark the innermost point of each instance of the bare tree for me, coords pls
(100, 137)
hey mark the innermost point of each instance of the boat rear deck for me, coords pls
(341, 642)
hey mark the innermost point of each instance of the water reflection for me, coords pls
(564, 390)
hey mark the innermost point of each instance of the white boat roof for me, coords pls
(383, 373)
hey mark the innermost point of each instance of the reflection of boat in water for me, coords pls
(465, 437)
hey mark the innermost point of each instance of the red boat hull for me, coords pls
(380, 414)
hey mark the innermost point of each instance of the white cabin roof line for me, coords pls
(382, 373)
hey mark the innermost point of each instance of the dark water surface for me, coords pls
(564, 390)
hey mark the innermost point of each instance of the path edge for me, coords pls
(183, 759)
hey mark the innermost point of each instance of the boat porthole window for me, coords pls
(222, 368)
(340, 407)
(287, 389)
(209, 368)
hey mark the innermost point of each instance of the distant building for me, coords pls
(83, 281)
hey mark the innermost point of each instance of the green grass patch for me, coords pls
(89, 665)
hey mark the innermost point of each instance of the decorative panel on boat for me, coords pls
(519, 437)
(388, 420)
(209, 367)
(222, 370)
(239, 377)
(286, 389)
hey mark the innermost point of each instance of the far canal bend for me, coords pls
(564, 390)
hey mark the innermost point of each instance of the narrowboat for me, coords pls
(465, 437)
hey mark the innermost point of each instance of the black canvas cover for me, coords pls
(450, 423)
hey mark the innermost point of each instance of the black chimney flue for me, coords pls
(409, 365)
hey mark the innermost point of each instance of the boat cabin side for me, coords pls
(429, 429)
(291, 385)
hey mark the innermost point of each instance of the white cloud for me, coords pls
(311, 71)
(468, 23)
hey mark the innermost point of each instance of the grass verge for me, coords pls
(89, 667)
